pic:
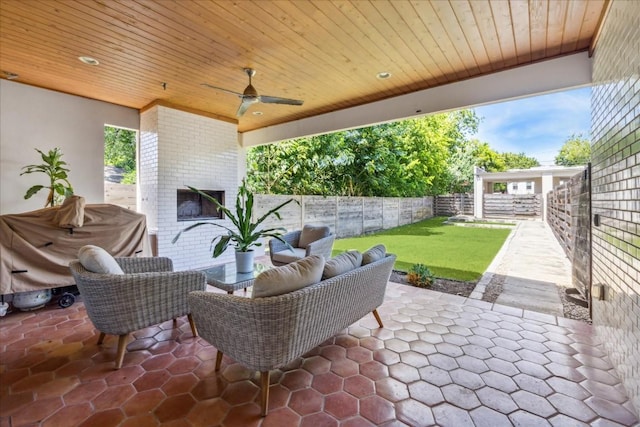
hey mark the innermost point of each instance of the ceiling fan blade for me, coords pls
(277, 100)
(244, 105)
(221, 89)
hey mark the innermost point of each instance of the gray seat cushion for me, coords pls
(288, 278)
(288, 256)
(341, 264)
(311, 233)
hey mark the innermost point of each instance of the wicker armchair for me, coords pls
(280, 254)
(149, 292)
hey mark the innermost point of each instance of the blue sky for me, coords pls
(537, 126)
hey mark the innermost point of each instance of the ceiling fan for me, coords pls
(250, 95)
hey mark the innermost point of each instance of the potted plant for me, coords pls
(54, 168)
(246, 234)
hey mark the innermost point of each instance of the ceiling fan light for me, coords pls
(383, 75)
(88, 60)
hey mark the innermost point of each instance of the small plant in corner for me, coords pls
(55, 168)
(420, 276)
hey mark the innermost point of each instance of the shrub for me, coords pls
(420, 276)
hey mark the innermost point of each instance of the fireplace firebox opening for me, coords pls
(193, 206)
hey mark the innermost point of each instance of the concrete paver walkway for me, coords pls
(530, 267)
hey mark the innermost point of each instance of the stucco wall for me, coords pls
(616, 190)
(31, 118)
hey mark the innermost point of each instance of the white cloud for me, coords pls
(537, 126)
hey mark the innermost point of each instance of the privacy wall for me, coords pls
(346, 216)
(616, 190)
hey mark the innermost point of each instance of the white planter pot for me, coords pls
(244, 261)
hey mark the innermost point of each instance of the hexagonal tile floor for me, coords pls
(439, 360)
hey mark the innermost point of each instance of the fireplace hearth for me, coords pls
(193, 207)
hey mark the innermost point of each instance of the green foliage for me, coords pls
(420, 276)
(460, 253)
(401, 159)
(120, 151)
(246, 234)
(464, 158)
(519, 161)
(55, 168)
(575, 151)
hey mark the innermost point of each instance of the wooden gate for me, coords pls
(512, 206)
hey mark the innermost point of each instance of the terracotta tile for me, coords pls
(306, 401)
(611, 411)
(469, 380)
(145, 420)
(405, 373)
(247, 415)
(112, 417)
(359, 386)
(208, 412)
(278, 396)
(174, 407)
(345, 367)
(73, 368)
(386, 356)
(316, 365)
(489, 417)
(57, 387)
(318, 420)
(32, 382)
(333, 352)
(392, 389)
(143, 402)
(13, 376)
(346, 341)
(208, 388)
(124, 375)
(358, 422)
(161, 361)
(496, 400)
(435, 375)
(374, 370)
(281, 417)
(153, 379)
(327, 383)
(426, 393)
(51, 364)
(376, 409)
(37, 411)
(533, 403)
(523, 418)
(414, 359)
(296, 380)
(184, 365)
(533, 384)
(69, 416)
(341, 405)
(572, 407)
(113, 397)
(414, 413)
(359, 354)
(14, 402)
(179, 384)
(240, 392)
(372, 343)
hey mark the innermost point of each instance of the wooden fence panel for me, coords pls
(512, 205)
(454, 204)
(123, 195)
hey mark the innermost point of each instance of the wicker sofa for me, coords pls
(267, 333)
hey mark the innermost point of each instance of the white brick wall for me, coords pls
(178, 149)
(616, 190)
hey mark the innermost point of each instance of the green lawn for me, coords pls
(461, 253)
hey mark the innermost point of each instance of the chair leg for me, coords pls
(218, 360)
(122, 347)
(377, 316)
(101, 338)
(192, 324)
(264, 397)
(175, 322)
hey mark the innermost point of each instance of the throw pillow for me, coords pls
(341, 264)
(97, 260)
(374, 254)
(288, 278)
(311, 233)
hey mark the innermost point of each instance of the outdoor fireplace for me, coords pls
(192, 206)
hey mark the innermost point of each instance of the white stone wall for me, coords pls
(178, 149)
(615, 175)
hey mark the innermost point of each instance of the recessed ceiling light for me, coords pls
(88, 60)
(383, 75)
(257, 113)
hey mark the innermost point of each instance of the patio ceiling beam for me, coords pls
(553, 75)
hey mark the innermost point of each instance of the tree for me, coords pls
(399, 159)
(575, 151)
(464, 158)
(120, 151)
(519, 161)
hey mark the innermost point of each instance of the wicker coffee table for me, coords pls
(225, 276)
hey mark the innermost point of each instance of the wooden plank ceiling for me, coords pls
(325, 52)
